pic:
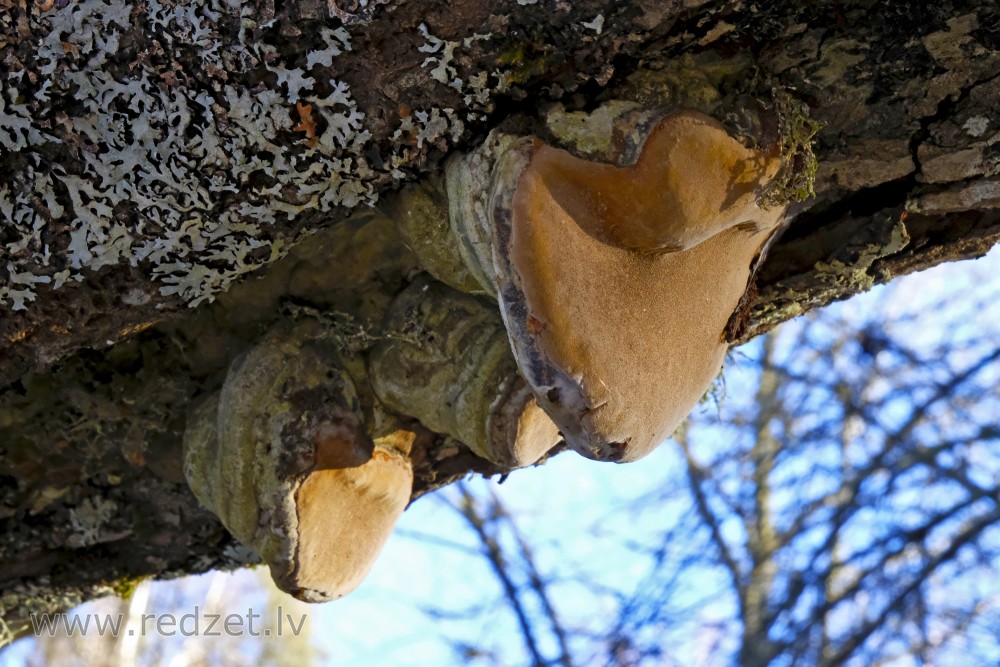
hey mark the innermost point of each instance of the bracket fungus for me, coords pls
(282, 457)
(452, 369)
(616, 283)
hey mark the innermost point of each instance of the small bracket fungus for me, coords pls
(281, 456)
(457, 376)
(616, 283)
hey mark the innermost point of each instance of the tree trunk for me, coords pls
(155, 155)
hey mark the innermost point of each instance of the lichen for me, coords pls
(596, 24)
(588, 134)
(475, 87)
(850, 270)
(88, 519)
(194, 184)
(241, 554)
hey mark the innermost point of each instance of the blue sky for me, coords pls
(430, 561)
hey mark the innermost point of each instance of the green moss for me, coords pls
(125, 587)
(522, 66)
(796, 178)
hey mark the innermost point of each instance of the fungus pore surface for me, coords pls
(616, 283)
(345, 515)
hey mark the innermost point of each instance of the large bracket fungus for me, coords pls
(283, 458)
(615, 283)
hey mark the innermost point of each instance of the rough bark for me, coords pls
(155, 154)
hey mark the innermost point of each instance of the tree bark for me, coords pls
(158, 154)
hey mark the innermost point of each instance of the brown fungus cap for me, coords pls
(616, 283)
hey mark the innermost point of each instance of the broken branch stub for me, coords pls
(281, 455)
(616, 283)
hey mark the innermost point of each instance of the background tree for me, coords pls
(837, 506)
